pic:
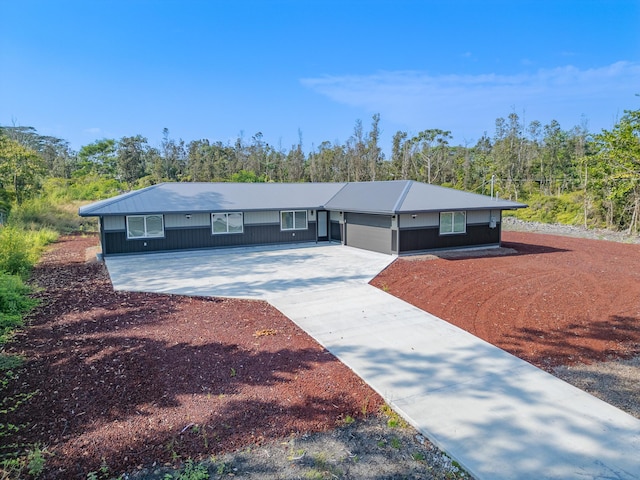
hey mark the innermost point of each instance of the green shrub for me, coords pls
(85, 187)
(38, 213)
(567, 209)
(14, 295)
(14, 302)
(20, 249)
(14, 251)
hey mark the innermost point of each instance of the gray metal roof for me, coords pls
(390, 197)
(369, 197)
(215, 197)
(423, 197)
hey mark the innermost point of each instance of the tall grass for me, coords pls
(22, 241)
(20, 248)
(14, 303)
(41, 213)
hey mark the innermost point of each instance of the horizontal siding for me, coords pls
(181, 220)
(114, 223)
(430, 219)
(429, 238)
(365, 219)
(192, 238)
(260, 218)
(367, 237)
(479, 216)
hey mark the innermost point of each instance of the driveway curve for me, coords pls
(500, 417)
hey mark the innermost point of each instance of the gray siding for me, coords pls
(482, 216)
(114, 223)
(261, 218)
(192, 238)
(367, 237)
(335, 231)
(429, 238)
(190, 220)
(383, 221)
(427, 219)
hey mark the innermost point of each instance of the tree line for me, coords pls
(595, 178)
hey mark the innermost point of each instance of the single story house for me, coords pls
(394, 217)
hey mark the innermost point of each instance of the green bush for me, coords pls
(20, 249)
(567, 209)
(14, 302)
(86, 187)
(14, 251)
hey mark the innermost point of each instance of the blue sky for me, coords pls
(218, 69)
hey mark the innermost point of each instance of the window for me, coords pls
(293, 220)
(145, 226)
(453, 222)
(222, 223)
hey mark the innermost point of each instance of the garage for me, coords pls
(369, 232)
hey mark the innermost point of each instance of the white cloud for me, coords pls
(93, 131)
(469, 104)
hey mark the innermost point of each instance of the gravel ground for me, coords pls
(376, 448)
(516, 225)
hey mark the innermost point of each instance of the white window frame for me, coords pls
(452, 222)
(146, 233)
(295, 226)
(226, 216)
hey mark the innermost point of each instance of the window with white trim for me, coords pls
(453, 222)
(145, 226)
(222, 223)
(293, 220)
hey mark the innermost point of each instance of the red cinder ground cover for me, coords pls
(552, 300)
(128, 379)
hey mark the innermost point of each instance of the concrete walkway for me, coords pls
(498, 416)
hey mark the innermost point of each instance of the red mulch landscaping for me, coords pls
(129, 379)
(555, 301)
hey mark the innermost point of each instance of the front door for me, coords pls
(323, 225)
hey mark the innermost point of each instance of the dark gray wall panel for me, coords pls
(417, 239)
(334, 231)
(190, 238)
(369, 220)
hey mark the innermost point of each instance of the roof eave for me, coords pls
(192, 211)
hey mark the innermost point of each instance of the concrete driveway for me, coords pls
(251, 272)
(498, 416)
